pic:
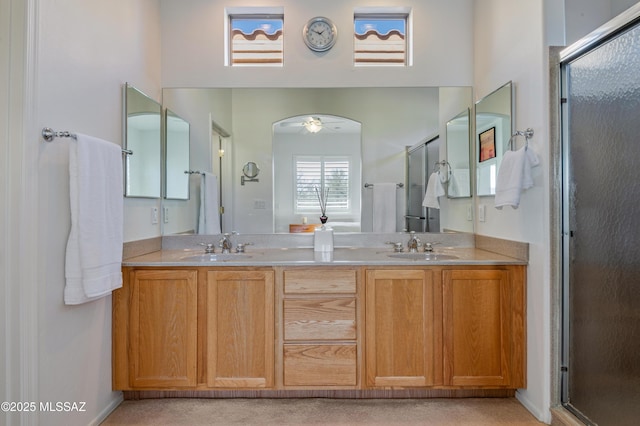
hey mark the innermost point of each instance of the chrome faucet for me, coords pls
(414, 242)
(225, 243)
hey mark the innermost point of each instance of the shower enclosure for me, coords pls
(601, 231)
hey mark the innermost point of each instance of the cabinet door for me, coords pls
(477, 328)
(399, 328)
(163, 328)
(240, 329)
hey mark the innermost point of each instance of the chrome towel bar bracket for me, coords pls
(48, 134)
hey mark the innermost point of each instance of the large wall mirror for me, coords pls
(494, 128)
(142, 124)
(390, 119)
(176, 176)
(459, 155)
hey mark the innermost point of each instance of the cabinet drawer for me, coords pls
(320, 319)
(319, 281)
(320, 365)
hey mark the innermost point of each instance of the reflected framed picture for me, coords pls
(487, 144)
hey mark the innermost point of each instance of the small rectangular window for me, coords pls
(380, 39)
(256, 40)
(318, 175)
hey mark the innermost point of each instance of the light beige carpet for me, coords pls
(318, 411)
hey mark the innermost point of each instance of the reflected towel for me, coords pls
(209, 220)
(514, 176)
(94, 248)
(384, 207)
(459, 184)
(434, 190)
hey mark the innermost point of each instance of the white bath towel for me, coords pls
(459, 184)
(384, 207)
(94, 248)
(434, 190)
(209, 220)
(514, 176)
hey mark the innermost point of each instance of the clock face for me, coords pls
(320, 34)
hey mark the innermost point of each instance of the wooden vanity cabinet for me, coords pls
(484, 327)
(319, 327)
(193, 328)
(240, 329)
(402, 319)
(155, 330)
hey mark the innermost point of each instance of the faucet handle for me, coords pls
(428, 247)
(208, 247)
(397, 247)
(241, 246)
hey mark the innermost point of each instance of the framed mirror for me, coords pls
(459, 155)
(494, 127)
(176, 176)
(142, 123)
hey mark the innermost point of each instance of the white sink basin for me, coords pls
(429, 257)
(215, 257)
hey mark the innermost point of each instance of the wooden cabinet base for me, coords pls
(323, 393)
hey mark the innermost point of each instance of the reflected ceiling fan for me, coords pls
(312, 124)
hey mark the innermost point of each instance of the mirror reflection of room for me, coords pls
(387, 128)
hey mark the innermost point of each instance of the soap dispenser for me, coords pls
(323, 239)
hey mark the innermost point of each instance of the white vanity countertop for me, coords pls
(307, 256)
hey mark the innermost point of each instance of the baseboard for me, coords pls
(542, 416)
(101, 417)
(335, 394)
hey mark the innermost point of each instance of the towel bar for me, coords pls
(48, 134)
(370, 185)
(441, 164)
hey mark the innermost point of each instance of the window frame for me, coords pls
(323, 160)
(252, 14)
(381, 14)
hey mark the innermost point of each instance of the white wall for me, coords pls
(508, 49)
(583, 16)
(193, 47)
(86, 52)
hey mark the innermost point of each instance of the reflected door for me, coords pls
(421, 162)
(433, 156)
(416, 217)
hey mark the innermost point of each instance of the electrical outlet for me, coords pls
(482, 211)
(165, 214)
(259, 204)
(469, 213)
(154, 215)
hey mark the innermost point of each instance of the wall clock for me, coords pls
(320, 34)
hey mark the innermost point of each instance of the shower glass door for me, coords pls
(601, 232)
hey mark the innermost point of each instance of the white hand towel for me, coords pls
(94, 248)
(209, 221)
(514, 176)
(384, 207)
(434, 190)
(459, 184)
